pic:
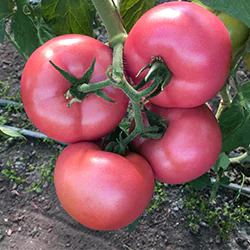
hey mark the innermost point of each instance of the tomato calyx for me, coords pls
(159, 73)
(119, 142)
(114, 142)
(80, 87)
(158, 125)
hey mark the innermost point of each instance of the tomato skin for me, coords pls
(189, 147)
(43, 90)
(194, 44)
(102, 190)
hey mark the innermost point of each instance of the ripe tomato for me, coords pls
(102, 190)
(43, 90)
(194, 44)
(189, 147)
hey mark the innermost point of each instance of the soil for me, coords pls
(36, 220)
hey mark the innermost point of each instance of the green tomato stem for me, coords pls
(235, 69)
(15, 45)
(117, 3)
(225, 102)
(112, 21)
(139, 126)
(85, 88)
(241, 158)
(216, 185)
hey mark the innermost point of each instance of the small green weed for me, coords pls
(223, 218)
(11, 174)
(160, 196)
(45, 174)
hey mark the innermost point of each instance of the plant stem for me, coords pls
(225, 102)
(117, 62)
(117, 3)
(15, 45)
(85, 88)
(239, 62)
(139, 126)
(112, 21)
(241, 158)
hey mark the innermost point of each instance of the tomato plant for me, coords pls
(43, 90)
(102, 190)
(178, 54)
(198, 57)
(189, 147)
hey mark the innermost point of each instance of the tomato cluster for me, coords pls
(103, 190)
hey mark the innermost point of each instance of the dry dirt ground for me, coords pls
(35, 220)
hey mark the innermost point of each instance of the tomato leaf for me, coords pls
(10, 132)
(235, 122)
(248, 45)
(132, 10)
(237, 9)
(25, 32)
(44, 32)
(222, 162)
(69, 16)
(132, 226)
(224, 181)
(6, 9)
(2, 30)
(201, 182)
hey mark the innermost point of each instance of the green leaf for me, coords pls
(238, 9)
(10, 132)
(21, 3)
(44, 32)
(235, 122)
(224, 181)
(248, 45)
(25, 32)
(132, 226)
(201, 182)
(222, 162)
(69, 16)
(6, 9)
(132, 10)
(2, 30)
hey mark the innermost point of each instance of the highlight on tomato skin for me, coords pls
(189, 147)
(43, 90)
(102, 190)
(194, 44)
